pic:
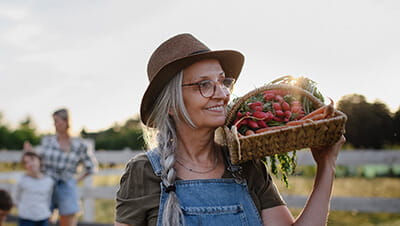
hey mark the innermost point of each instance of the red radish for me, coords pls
(255, 105)
(269, 96)
(260, 114)
(281, 92)
(285, 106)
(270, 91)
(253, 124)
(262, 124)
(277, 106)
(296, 108)
(279, 98)
(243, 122)
(296, 103)
(279, 113)
(278, 119)
(249, 132)
(269, 116)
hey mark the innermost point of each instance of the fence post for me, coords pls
(88, 202)
(89, 208)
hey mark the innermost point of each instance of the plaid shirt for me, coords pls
(61, 165)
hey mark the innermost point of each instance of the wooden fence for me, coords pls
(346, 158)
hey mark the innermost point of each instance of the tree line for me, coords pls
(369, 126)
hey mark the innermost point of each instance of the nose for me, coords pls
(220, 91)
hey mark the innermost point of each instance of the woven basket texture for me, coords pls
(311, 134)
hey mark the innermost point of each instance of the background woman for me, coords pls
(61, 155)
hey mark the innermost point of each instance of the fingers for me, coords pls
(328, 153)
(340, 142)
(28, 146)
(342, 139)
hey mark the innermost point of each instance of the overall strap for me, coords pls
(154, 157)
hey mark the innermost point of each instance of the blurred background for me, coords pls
(91, 57)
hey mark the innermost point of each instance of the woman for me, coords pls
(187, 179)
(61, 155)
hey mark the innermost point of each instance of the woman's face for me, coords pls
(205, 112)
(60, 124)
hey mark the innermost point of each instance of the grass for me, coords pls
(300, 185)
(387, 187)
(336, 218)
(341, 218)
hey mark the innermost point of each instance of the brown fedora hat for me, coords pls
(174, 55)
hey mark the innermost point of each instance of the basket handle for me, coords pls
(231, 114)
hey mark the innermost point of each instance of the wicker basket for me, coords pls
(311, 134)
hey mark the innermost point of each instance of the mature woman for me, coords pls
(61, 155)
(187, 179)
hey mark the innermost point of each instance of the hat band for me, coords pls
(200, 51)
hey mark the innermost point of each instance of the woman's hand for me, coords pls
(27, 146)
(328, 155)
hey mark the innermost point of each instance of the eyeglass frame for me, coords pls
(214, 83)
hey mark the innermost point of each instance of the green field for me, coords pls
(387, 187)
(300, 185)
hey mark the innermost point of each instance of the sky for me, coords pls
(91, 56)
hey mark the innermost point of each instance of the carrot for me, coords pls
(318, 117)
(270, 128)
(298, 122)
(329, 110)
(315, 112)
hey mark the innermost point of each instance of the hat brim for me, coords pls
(231, 62)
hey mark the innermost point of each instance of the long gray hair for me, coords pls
(164, 132)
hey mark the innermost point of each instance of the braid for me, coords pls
(172, 214)
(170, 99)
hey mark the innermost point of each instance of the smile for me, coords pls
(216, 108)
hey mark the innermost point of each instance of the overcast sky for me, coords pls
(91, 56)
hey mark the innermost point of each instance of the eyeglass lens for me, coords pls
(208, 87)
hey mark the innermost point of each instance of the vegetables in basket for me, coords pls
(285, 115)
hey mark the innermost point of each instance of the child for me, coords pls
(5, 205)
(33, 193)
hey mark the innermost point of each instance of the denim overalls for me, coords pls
(210, 202)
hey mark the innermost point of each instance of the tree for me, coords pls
(4, 133)
(369, 125)
(396, 127)
(26, 131)
(14, 139)
(129, 135)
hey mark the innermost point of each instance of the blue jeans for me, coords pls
(65, 197)
(25, 222)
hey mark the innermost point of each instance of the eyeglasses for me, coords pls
(207, 87)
